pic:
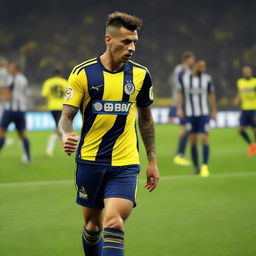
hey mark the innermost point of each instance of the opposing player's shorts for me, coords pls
(16, 117)
(198, 124)
(56, 114)
(248, 118)
(96, 182)
(173, 114)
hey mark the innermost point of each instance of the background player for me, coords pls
(196, 90)
(108, 90)
(247, 97)
(188, 60)
(15, 109)
(53, 90)
(4, 78)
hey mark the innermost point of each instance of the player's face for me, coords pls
(12, 69)
(191, 61)
(201, 66)
(247, 72)
(122, 44)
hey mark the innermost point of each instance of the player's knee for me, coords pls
(115, 221)
(92, 224)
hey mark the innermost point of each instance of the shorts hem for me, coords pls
(123, 197)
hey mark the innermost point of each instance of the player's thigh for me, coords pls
(193, 138)
(116, 211)
(203, 124)
(253, 119)
(244, 119)
(121, 182)
(20, 122)
(7, 119)
(92, 218)
(204, 138)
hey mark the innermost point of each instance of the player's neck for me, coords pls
(110, 63)
(196, 73)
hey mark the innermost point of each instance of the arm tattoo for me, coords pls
(66, 120)
(147, 131)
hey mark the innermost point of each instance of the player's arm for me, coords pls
(65, 128)
(72, 101)
(213, 105)
(146, 125)
(180, 101)
(212, 99)
(237, 99)
(180, 96)
(5, 94)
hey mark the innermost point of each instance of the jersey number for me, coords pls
(57, 91)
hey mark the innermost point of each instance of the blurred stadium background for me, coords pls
(47, 34)
(186, 215)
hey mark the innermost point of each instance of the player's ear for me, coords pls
(107, 40)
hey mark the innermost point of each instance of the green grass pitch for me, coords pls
(185, 216)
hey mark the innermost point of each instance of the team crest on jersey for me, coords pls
(69, 93)
(129, 88)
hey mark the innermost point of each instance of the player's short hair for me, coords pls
(57, 72)
(187, 55)
(122, 19)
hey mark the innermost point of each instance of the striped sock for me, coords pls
(92, 242)
(113, 242)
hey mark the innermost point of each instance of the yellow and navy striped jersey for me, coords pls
(108, 103)
(54, 89)
(247, 91)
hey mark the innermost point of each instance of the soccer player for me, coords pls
(53, 90)
(196, 91)
(188, 60)
(15, 109)
(247, 96)
(108, 90)
(4, 78)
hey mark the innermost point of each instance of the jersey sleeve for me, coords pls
(145, 96)
(76, 89)
(210, 86)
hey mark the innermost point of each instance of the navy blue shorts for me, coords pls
(16, 117)
(56, 114)
(248, 118)
(198, 124)
(97, 182)
(173, 114)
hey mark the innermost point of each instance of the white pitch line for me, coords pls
(163, 178)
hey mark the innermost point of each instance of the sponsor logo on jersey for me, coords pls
(196, 90)
(129, 88)
(69, 93)
(111, 107)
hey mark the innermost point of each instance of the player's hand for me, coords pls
(153, 176)
(180, 113)
(70, 142)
